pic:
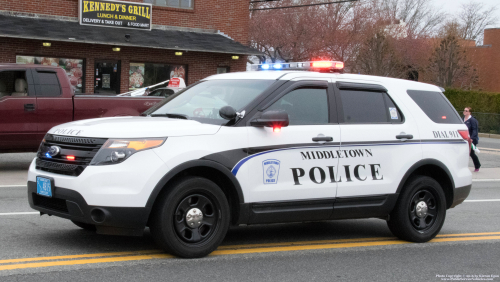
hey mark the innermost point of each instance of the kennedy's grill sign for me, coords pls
(115, 14)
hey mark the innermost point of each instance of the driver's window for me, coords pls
(304, 106)
(13, 84)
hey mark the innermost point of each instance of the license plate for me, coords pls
(44, 186)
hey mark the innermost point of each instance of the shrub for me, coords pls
(483, 102)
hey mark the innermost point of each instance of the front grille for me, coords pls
(50, 203)
(83, 148)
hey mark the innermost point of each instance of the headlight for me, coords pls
(115, 151)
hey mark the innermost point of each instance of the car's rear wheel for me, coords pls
(420, 211)
(192, 219)
(86, 226)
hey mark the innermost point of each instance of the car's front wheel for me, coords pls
(191, 219)
(420, 211)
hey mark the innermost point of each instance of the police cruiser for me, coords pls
(267, 146)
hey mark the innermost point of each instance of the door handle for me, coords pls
(29, 107)
(404, 136)
(323, 138)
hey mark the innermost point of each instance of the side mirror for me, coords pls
(227, 112)
(271, 119)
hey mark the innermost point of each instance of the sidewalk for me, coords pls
(486, 173)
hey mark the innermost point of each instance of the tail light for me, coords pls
(464, 134)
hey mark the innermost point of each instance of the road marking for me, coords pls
(489, 149)
(18, 213)
(9, 186)
(468, 234)
(489, 200)
(80, 256)
(485, 180)
(231, 250)
(84, 261)
(304, 243)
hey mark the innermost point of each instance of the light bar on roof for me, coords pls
(321, 66)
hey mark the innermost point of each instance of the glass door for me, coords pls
(107, 77)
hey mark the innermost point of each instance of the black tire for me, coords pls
(86, 226)
(408, 221)
(172, 215)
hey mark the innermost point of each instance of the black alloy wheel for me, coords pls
(191, 217)
(422, 210)
(419, 214)
(196, 218)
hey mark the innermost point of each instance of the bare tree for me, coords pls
(449, 63)
(473, 19)
(420, 16)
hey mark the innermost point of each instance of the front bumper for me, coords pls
(71, 205)
(460, 194)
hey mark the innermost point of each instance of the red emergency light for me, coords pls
(322, 64)
(70, 158)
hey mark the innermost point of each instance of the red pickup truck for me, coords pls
(34, 98)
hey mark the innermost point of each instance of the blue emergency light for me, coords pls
(320, 66)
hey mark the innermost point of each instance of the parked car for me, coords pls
(35, 98)
(162, 89)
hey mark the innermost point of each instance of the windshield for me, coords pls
(203, 101)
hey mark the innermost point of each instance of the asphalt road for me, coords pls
(33, 248)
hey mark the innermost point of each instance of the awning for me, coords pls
(69, 31)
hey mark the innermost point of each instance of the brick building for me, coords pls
(185, 38)
(486, 58)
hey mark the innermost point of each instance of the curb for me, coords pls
(488, 135)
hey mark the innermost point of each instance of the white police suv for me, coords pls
(260, 147)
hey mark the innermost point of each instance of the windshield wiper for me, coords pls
(178, 116)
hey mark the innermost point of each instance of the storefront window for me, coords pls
(188, 4)
(74, 68)
(146, 74)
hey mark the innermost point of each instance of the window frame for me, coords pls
(365, 87)
(285, 87)
(38, 88)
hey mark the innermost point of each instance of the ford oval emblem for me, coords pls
(54, 151)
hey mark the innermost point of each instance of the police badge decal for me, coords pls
(271, 169)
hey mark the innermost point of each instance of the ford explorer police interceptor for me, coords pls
(260, 147)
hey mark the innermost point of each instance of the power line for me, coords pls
(298, 6)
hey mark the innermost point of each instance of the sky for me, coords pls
(453, 6)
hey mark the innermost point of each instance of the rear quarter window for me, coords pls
(435, 106)
(48, 84)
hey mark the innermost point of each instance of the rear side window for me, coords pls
(48, 84)
(435, 106)
(368, 107)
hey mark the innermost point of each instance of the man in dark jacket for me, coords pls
(472, 124)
